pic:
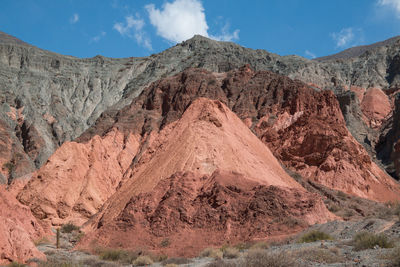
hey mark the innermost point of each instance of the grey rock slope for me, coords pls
(48, 99)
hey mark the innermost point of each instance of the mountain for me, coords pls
(205, 173)
(49, 99)
(197, 139)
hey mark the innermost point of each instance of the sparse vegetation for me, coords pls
(142, 261)
(259, 257)
(389, 211)
(333, 208)
(319, 255)
(314, 236)
(119, 255)
(16, 264)
(342, 195)
(366, 240)
(165, 243)
(69, 228)
(54, 263)
(231, 253)
(212, 253)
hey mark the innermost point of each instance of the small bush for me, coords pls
(366, 240)
(165, 243)
(258, 258)
(118, 255)
(314, 236)
(212, 253)
(231, 253)
(16, 264)
(333, 208)
(342, 195)
(142, 261)
(319, 255)
(69, 228)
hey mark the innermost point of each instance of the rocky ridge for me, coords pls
(58, 97)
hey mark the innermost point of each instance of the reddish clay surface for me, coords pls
(376, 107)
(18, 231)
(78, 178)
(204, 180)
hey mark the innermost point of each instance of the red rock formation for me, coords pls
(204, 180)
(79, 177)
(303, 127)
(18, 231)
(376, 107)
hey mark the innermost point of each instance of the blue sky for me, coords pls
(126, 28)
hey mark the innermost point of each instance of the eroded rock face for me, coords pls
(18, 231)
(205, 173)
(304, 127)
(78, 178)
(193, 212)
(59, 97)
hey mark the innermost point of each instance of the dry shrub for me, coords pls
(118, 255)
(231, 253)
(69, 228)
(264, 258)
(366, 240)
(319, 255)
(142, 261)
(212, 253)
(314, 236)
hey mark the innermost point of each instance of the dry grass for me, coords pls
(260, 245)
(314, 236)
(142, 261)
(366, 240)
(117, 255)
(264, 258)
(319, 255)
(231, 253)
(212, 253)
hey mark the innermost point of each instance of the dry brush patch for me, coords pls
(366, 240)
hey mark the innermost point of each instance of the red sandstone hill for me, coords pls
(303, 127)
(205, 179)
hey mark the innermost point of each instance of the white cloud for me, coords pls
(74, 19)
(343, 38)
(395, 4)
(226, 35)
(310, 54)
(181, 19)
(97, 38)
(133, 28)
